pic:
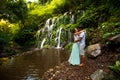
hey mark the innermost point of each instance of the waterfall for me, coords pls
(47, 31)
(71, 18)
(58, 34)
(53, 20)
(52, 32)
(47, 24)
(43, 41)
(50, 29)
(44, 29)
(52, 25)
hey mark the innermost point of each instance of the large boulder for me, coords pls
(94, 50)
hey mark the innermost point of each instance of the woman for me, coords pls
(74, 58)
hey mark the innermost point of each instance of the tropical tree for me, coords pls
(18, 9)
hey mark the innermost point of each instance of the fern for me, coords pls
(116, 67)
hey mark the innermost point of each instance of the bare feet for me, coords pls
(82, 64)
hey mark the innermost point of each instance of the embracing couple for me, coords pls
(77, 56)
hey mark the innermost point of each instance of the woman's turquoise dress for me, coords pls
(74, 58)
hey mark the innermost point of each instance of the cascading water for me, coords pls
(43, 43)
(50, 34)
(47, 31)
(47, 24)
(58, 37)
(71, 18)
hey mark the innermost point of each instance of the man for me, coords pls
(82, 44)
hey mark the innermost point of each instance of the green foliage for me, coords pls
(48, 9)
(89, 18)
(4, 39)
(23, 36)
(99, 14)
(7, 33)
(3, 4)
(116, 67)
(70, 26)
(103, 16)
(111, 78)
(110, 29)
(42, 12)
(71, 5)
(8, 28)
(17, 10)
(69, 46)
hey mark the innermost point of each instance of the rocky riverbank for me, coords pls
(65, 71)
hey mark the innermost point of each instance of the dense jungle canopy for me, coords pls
(21, 19)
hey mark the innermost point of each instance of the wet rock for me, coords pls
(50, 70)
(94, 50)
(97, 75)
(115, 38)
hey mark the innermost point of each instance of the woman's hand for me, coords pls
(77, 33)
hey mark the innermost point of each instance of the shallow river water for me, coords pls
(31, 66)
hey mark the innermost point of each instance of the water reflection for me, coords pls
(31, 66)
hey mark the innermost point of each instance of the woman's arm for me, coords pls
(78, 40)
(77, 33)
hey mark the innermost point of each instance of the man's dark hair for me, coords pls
(81, 26)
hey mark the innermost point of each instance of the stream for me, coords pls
(31, 66)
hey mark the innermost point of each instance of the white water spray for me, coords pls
(43, 41)
(58, 34)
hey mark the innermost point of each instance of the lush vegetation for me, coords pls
(116, 67)
(116, 70)
(20, 20)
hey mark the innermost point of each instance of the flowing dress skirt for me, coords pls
(74, 58)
